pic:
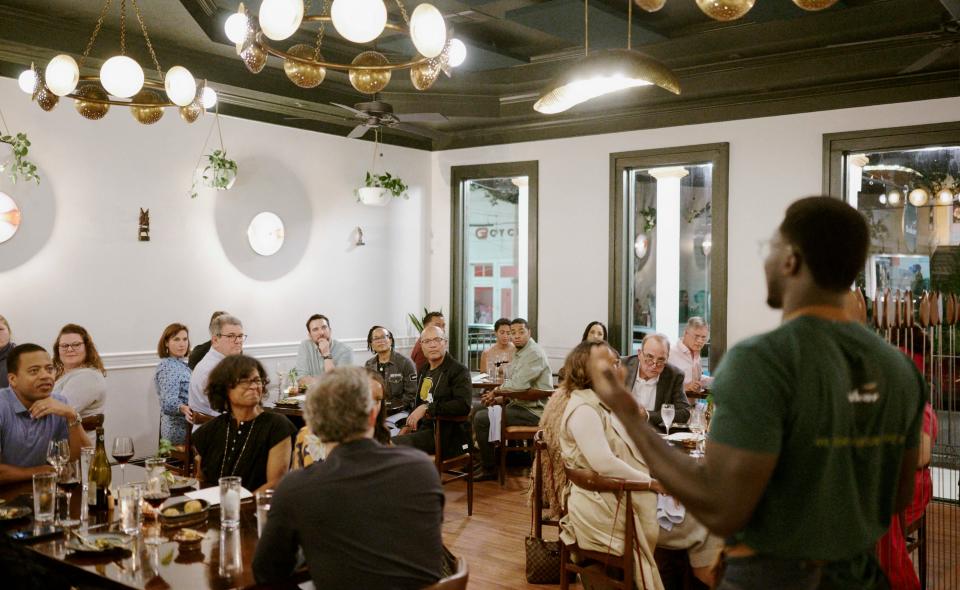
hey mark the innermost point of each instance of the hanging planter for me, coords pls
(18, 167)
(373, 195)
(377, 189)
(214, 170)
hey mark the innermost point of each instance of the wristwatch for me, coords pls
(328, 357)
(77, 421)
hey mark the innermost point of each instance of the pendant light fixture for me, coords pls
(603, 72)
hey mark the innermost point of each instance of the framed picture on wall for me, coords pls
(904, 272)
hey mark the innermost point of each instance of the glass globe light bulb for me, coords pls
(121, 76)
(235, 27)
(457, 53)
(62, 75)
(209, 98)
(279, 19)
(359, 21)
(180, 85)
(945, 196)
(918, 197)
(427, 30)
(27, 81)
(893, 197)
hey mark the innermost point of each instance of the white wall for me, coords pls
(91, 269)
(773, 161)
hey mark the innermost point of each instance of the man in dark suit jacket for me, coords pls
(444, 389)
(654, 382)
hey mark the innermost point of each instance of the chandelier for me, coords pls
(357, 21)
(726, 10)
(121, 81)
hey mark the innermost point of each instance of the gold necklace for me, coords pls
(226, 445)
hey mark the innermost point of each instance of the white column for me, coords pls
(855, 164)
(523, 244)
(667, 319)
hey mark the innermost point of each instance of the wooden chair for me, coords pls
(915, 535)
(458, 467)
(587, 479)
(456, 581)
(540, 447)
(199, 419)
(92, 422)
(518, 433)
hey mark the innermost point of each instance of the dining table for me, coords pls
(221, 560)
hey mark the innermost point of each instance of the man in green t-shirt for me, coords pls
(815, 437)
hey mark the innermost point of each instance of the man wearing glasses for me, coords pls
(226, 339)
(686, 355)
(653, 382)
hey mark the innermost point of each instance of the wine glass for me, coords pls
(58, 453)
(122, 452)
(667, 413)
(697, 426)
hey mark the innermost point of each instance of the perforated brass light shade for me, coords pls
(302, 74)
(191, 112)
(815, 4)
(44, 97)
(253, 56)
(370, 81)
(147, 115)
(651, 5)
(603, 72)
(724, 10)
(94, 109)
(423, 75)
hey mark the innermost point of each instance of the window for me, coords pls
(494, 254)
(668, 244)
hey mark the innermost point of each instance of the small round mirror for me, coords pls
(9, 217)
(265, 233)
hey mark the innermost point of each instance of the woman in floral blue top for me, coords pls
(173, 383)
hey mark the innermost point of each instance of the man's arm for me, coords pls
(278, 463)
(458, 402)
(908, 470)
(722, 492)
(409, 373)
(13, 474)
(78, 439)
(276, 553)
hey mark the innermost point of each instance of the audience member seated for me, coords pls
(892, 547)
(445, 389)
(686, 355)
(595, 332)
(502, 351)
(369, 516)
(432, 319)
(398, 373)
(529, 370)
(6, 345)
(590, 438)
(320, 352)
(653, 382)
(244, 440)
(80, 373)
(226, 339)
(308, 449)
(199, 351)
(172, 379)
(31, 416)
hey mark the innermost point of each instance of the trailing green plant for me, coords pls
(649, 215)
(394, 184)
(218, 173)
(20, 166)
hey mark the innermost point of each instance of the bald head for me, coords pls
(433, 341)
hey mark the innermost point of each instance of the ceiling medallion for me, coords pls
(357, 21)
(121, 81)
(603, 72)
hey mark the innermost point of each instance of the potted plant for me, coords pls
(19, 166)
(378, 188)
(214, 170)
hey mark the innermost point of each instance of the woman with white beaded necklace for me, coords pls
(244, 440)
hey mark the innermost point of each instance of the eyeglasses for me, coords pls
(73, 346)
(380, 338)
(253, 382)
(648, 358)
(428, 341)
(234, 337)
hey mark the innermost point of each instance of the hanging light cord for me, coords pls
(216, 123)
(586, 27)
(629, 24)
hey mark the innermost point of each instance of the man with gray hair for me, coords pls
(653, 382)
(226, 339)
(686, 355)
(353, 533)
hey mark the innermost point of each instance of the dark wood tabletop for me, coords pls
(151, 567)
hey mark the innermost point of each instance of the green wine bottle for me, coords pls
(100, 474)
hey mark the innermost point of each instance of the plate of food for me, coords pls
(14, 512)
(181, 511)
(189, 539)
(97, 542)
(178, 482)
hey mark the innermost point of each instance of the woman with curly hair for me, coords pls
(79, 370)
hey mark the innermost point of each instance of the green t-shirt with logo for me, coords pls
(839, 406)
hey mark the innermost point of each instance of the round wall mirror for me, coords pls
(265, 233)
(9, 217)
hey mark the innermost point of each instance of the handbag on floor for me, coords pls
(543, 560)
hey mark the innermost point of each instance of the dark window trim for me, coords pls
(621, 240)
(459, 174)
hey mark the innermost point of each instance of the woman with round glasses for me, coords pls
(243, 440)
(398, 373)
(80, 372)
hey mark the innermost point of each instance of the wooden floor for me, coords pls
(492, 539)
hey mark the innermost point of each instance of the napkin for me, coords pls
(669, 511)
(212, 495)
(495, 414)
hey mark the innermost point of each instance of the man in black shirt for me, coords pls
(368, 516)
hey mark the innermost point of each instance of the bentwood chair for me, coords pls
(540, 448)
(517, 433)
(600, 562)
(456, 581)
(457, 467)
(199, 419)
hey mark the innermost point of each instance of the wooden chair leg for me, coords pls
(470, 486)
(564, 557)
(922, 551)
(503, 462)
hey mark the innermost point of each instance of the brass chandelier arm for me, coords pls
(123, 103)
(327, 19)
(342, 67)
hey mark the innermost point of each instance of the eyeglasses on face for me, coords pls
(234, 337)
(72, 346)
(380, 338)
(656, 362)
(429, 341)
(253, 382)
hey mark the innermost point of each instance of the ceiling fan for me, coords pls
(378, 114)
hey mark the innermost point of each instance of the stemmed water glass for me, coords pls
(122, 452)
(667, 413)
(58, 453)
(697, 426)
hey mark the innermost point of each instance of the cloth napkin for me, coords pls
(670, 512)
(495, 414)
